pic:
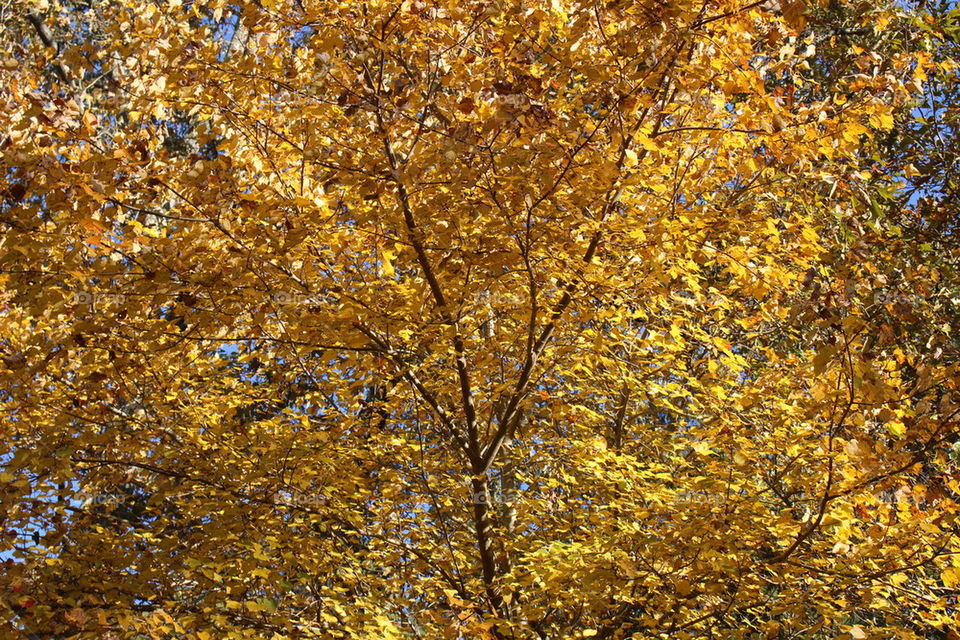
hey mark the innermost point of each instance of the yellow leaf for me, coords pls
(387, 254)
(950, 577)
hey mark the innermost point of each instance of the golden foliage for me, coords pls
(476, 319)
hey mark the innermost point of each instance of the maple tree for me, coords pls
(486, 319)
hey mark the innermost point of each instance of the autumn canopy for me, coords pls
(493, 319)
